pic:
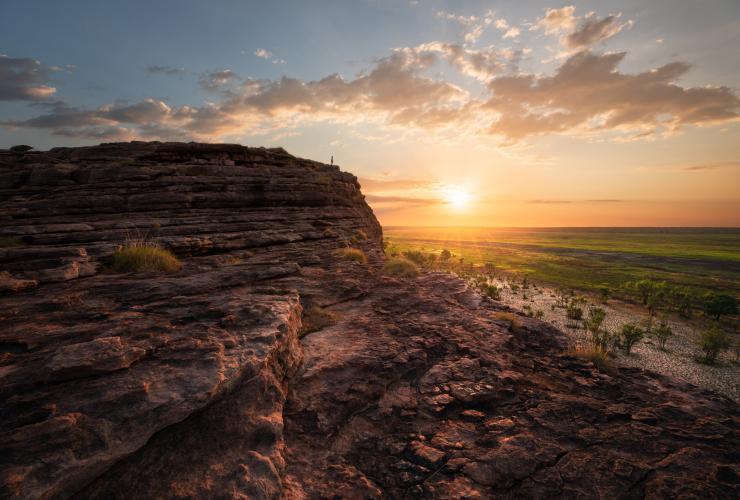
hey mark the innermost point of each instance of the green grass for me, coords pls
(587, 259)
(144, 258)
(401, 267)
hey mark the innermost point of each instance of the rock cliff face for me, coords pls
(196, 384)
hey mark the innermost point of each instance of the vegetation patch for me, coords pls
(351, 254)
(712, 342)
(144, 257)
(515, 325)
(315, 318)
(599, 358)
(401, 267)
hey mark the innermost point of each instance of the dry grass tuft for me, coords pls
(315, 318)
(353, 254)
(515, 323)
(144, 257)
(401, 267)
(599, 358)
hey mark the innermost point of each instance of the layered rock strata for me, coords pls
(195, 383)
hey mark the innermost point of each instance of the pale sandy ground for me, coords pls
(679, 358)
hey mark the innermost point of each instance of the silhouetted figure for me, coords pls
(332, 159)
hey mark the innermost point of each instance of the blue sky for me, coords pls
(409, 102)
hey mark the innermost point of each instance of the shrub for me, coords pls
(445, 255)
(351, 254)
(662, 333)
(401, 267)
(315, 318)
(361, 235)
(595, 318)
(631, 335)
(492, 291)
(10, 241)
(599, 358)
(144, 257)
(539, 313)
(419, 258)
(510, 318)
(574, 314)
(717, 304)
(712, 342)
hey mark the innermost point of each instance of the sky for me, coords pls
(451, 113)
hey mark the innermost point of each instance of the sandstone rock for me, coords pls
(195, 383)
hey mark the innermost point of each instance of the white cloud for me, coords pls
(263, 53)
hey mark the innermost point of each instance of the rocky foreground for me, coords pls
(196, 383)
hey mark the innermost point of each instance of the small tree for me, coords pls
(712, 342)
(717, 304)
(445, 255)
(631, 335)
(604, 294)
(662, 333)
(574, 314)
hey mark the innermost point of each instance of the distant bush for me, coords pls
(662, 334)
(144, 257)
(401, 267)
(351, 254)
(314, 319)
(420, 258)
(717, 304)
(512, 319)
(631, 334)
(445, 255)
(712, 342)
(10, 241)
(599, 358)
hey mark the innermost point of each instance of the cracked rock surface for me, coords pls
(195, 383)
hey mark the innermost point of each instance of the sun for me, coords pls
(457, 198)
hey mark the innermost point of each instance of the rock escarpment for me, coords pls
(196, 384)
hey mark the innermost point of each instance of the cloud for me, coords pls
(562, 202)
(165, 70)
(217, 80)
(557, 20)
(701, 167)
(263, 53)
(267, 55)
(593, 31)
(588, 94)
(24, 79)
(512, 33)
(577, 33)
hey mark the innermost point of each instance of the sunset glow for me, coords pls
(615, 113)
(457, 198)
